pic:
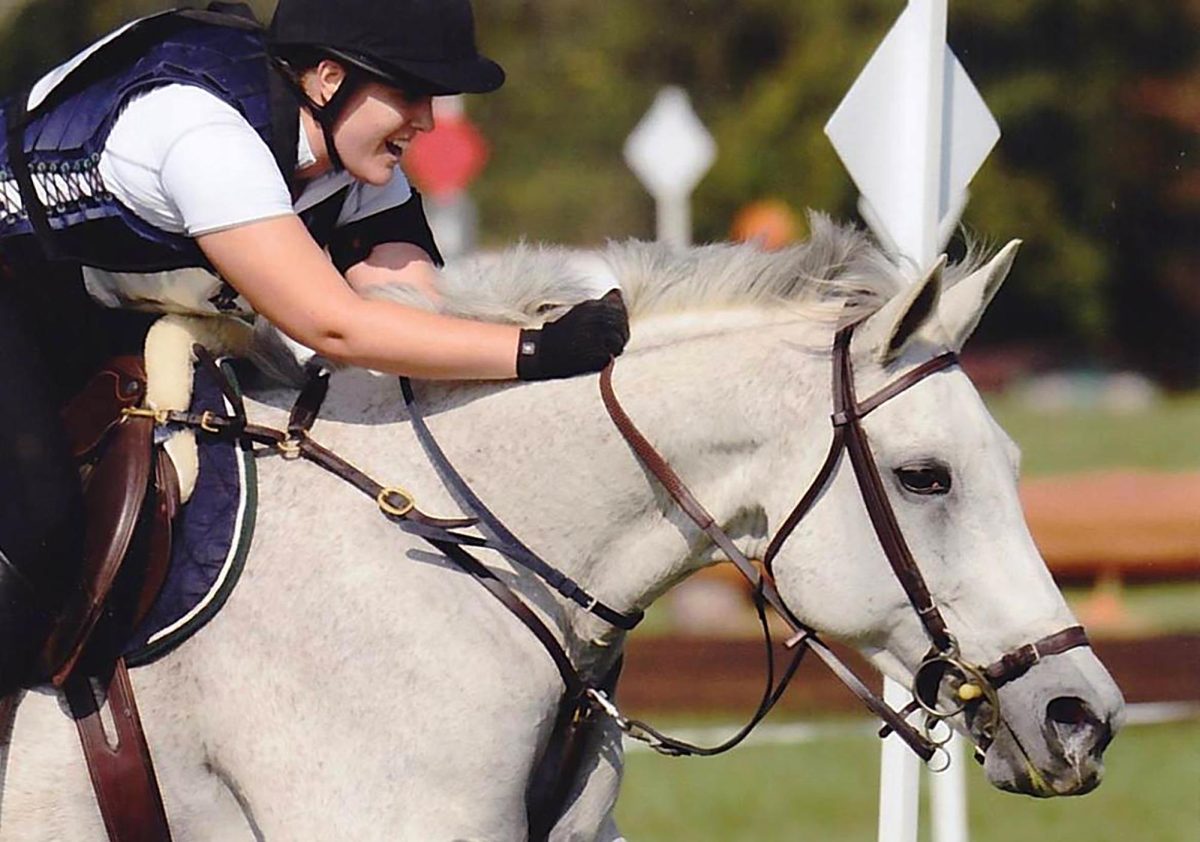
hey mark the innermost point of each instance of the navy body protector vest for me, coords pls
(50, 186)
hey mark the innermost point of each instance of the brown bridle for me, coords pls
(971, 684)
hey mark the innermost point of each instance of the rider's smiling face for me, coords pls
(376, 125)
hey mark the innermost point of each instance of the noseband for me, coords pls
(968, 685)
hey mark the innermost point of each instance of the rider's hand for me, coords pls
(583, 339)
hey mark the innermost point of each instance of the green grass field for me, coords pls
(1166, 437)
(827, 791)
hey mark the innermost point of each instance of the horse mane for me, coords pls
(839, 272)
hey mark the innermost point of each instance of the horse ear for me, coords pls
(963, 304)
(890, 329)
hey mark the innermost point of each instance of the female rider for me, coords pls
(191, 162)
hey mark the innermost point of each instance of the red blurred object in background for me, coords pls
(443, 162)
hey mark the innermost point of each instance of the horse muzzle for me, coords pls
(1055, 723)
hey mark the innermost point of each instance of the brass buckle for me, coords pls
(206, 422)
(385, 503)
(160, 416)
(289, 448)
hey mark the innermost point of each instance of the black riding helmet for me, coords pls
(422, 47)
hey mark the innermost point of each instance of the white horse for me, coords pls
(357, 686)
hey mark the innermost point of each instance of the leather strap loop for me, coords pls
(764, 585)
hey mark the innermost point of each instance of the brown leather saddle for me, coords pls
(131, 497)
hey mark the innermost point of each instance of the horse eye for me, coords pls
(925, 478)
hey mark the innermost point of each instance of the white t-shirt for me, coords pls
(187, 162)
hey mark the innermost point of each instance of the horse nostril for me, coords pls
(1077, 728)
(1069, 710)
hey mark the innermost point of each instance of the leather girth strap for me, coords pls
(119, 764)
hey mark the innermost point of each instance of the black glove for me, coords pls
(583, 339)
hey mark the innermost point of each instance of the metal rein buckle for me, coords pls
(384, 500)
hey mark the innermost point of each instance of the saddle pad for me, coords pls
(210, 538)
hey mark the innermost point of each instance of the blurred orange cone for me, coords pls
(768, 222)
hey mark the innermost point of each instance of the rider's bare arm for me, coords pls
(395, 263)
(286, 277)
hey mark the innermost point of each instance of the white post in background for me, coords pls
(900, 781)
(670, 151)
(912, 131)
(948, 795)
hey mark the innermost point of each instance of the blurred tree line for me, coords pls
(1098, 101)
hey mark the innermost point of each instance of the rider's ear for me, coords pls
(889, 330)
(963, 304)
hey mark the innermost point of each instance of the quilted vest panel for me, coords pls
(64, 137)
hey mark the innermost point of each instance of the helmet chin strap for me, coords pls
(328, 114)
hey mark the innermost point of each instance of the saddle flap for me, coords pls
(89, 416)
(166, 506)
(114, 497)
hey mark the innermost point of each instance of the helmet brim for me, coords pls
(477, 75)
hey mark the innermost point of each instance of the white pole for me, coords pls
(900, 778)
(912, 131)
(674, 220)
(900, 771)
(932, 57)
(948, 795)
(670, 151)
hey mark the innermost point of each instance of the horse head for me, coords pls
(949, 474)
(729, 370)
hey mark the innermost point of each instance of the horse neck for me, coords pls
(554, 468)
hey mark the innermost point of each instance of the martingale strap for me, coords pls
(772, 693)
(395, 503)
